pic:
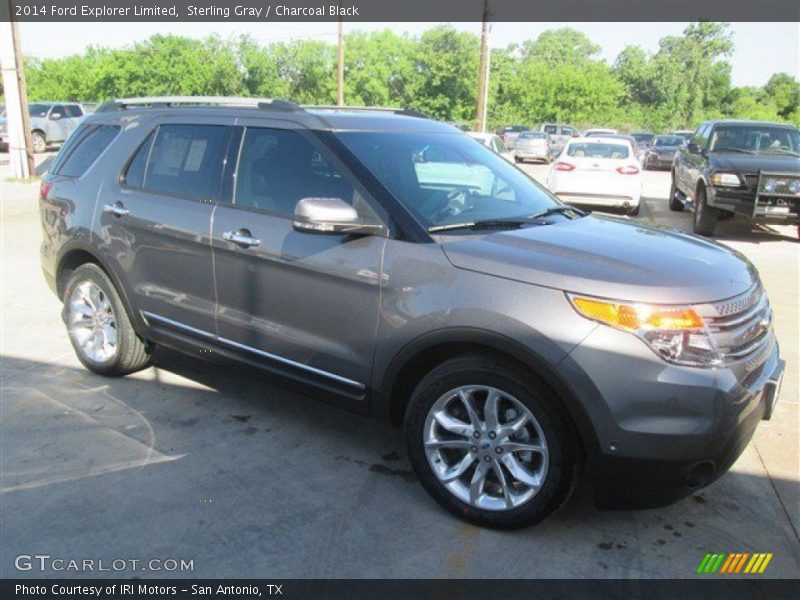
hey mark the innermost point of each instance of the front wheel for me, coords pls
(490, 442)
(39, 142)
(705, 216)
(98, 325)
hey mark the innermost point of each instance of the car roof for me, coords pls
(317, 118)
(750, 122)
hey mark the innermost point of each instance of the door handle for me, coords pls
(117, 209)
(241, 237)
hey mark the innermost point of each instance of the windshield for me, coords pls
(532, 135)
(643, 137)
(592, 150)
(755, 138)
(38, 110)
(671, 140)
(443, 178)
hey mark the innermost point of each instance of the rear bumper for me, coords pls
(542, 153)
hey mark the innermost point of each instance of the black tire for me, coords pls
(39, 142)
(675, 205)
(537, 397)
(132, 352)
(705, 216)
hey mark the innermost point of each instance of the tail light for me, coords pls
(629, 170)
(562, 166)
(44, 189)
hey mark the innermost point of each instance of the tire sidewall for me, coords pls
(561, 473)
(37, 135)
(94, 274)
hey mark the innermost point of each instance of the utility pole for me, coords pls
(20, 148)
(340, 66)
(483, 71)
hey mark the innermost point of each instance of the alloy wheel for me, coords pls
(486, 447)
(91, 322)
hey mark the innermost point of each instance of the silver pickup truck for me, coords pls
(51, 123)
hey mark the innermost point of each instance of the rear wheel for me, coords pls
(705, 216)
(674, 204)
(490, 443)
(99, 328)
(39, 142)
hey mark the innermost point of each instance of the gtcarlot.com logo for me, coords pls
(45, 562)
(723, 563)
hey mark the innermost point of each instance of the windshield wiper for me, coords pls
(558, 209)
(508, 223)
(486, 224)
(742, 150)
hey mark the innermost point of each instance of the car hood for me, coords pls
(608, 257)
(750, 163)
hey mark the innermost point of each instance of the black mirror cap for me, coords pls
(693, 148)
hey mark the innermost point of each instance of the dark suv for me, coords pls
(401, 270)
(746, 168)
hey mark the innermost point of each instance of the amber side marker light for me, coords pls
(637, 317)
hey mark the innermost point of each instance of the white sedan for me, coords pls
(598, 172)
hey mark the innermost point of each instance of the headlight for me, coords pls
(794, 186)
(770, 184)
(726, 179)
(675, 333)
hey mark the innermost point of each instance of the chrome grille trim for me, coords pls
(740, 325)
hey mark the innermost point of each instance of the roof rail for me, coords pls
(408, 112)
(168, 101)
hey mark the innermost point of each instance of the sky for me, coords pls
(761, 49)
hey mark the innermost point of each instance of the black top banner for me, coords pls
(400, 10)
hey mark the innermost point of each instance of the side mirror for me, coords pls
(55, 116)
(330, 216)
(693, 148)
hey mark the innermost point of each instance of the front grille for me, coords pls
(740, 325)
(751, 179)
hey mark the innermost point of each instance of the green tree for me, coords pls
(561, 46)
(784, 92)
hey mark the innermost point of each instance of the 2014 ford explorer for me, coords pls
(404, 271)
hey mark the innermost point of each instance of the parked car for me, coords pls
(644, 139)
(493, 142)
(746, 168)
(533, 145)
(662, 152)
(596, 131)
(686, 134)
(559, 135)
(510, 133)
(516, 338)
(52, 122)
(598, 171)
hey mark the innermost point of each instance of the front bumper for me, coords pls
(663, 430)
(658, 162)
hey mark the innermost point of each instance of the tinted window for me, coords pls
(73, 110)
(38, 110)
(187, 160)
(134, 175)
(550, 129)
(58, 110)
(567, 131)
(700, 136)
(86, 149)
(592, 150)
(278, 168)
(669, 140)
(755, 138)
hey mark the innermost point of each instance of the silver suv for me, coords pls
(53, 122)
(403, 271)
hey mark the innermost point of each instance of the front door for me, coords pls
(304, 304)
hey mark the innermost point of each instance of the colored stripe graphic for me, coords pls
(724, 563)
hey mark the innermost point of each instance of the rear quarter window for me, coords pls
(89, 144)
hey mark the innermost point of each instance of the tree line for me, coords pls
(556, 77)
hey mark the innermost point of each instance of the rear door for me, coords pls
(300, 303)
(155, 219)
(58, 124)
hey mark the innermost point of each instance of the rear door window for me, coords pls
(186, 161)
(58, 111)
(551, 129)
(74, 111)
(86, 149)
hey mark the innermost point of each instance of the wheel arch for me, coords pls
(77, 254)
(426, 352)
